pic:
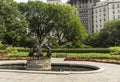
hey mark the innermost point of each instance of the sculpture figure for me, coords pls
(38, 61)
(36, 51)
(48, 51)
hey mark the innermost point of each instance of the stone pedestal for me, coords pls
(43, 64)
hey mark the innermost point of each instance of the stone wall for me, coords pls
(43, 64)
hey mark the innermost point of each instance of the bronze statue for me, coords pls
(48, 51)
(36, 51)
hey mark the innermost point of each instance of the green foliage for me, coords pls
(2, 51)
(108, 36)
(91, 56)
(67, 45)
(40, 23)
(28, 42)
(21, 49)
(52, 41)
(85, 55)
(1, 45)
(59, 55)
(19, 54)
(12, 23)
(57, 21)
(66, 23)
(71, 50)
(114, 50)
(84, 50)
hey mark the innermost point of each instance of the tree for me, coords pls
(12, 23)
(36, 13)
(57, 21)
(110, 33)
(67, 25)
(2, 28)
(108, 36)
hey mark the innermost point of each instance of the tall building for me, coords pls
(105, 11)
(85, 12)
(54, 1)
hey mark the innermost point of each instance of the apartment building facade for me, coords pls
(105, 11)
(85, 12)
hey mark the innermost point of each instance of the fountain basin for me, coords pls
(42, 64)
(62, 68)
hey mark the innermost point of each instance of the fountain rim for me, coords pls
(99, 69)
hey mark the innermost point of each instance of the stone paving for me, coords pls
(110, 74)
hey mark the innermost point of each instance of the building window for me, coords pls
(113, 6)
(96, 16)
(96, 26)
(104, 14)
(80, 6)
(104, 19)
(83, 7)
(118, 11)
(100, 10)
(113, 16)
(96, 10)
(117, 5)
(104, 9)
(96, 21)
(113, 11)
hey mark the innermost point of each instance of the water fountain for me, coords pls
(42, 64)
(37, 61)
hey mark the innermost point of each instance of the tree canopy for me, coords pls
(108, 36)
(57, 21)
(12, 23)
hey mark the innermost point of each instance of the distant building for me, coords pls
(54, 1)
(105, 11)
(85, 12)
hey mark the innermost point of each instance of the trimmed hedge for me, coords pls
(21, 49)
(86, 50)
(92, 56)
(91, 50)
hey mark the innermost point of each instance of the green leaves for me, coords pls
(108, 36)
(48, 20)
(12, 23)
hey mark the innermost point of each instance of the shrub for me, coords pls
(1, 51)
(21, 49)
(114, 50)
(61, 55)
(69, 50)
(19, 54)
(1, 45)
(93, 56)
(85, 50)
